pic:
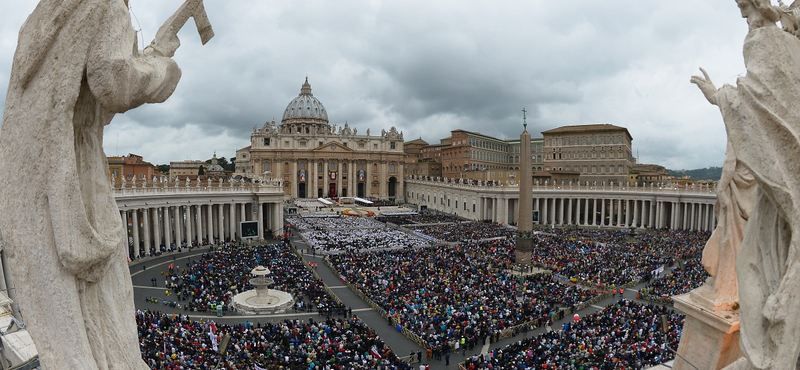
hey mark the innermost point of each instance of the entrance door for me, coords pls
(360, 190)
(331, 190)
(301, 190)
(319, 193)
(344, 192)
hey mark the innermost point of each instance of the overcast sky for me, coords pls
(428, 67)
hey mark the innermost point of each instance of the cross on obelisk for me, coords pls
(524, 119)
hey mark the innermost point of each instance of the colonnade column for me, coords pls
(177, 215)
(602, 212)
(221, 222)
(260, 220)
(569, 211)
(156, 230)
(189, 221)
(199, 220)
(232, 221)
(124, 216)
(167, 226)
(210, 224)
(278, 208)
(585, 211)
(146, 227)
(135, 229)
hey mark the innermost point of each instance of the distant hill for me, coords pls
(710, 173)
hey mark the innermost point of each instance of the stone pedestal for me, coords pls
(523, 250)
(710, 339)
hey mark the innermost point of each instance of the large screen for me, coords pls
(248, 229)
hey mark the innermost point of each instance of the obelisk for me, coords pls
(525, 223)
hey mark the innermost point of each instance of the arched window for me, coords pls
(266, 166)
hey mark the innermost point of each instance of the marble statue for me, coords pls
(76, 65)
(762, 118)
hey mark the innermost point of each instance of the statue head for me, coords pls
(758, 13)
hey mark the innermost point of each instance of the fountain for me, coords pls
(262, 300)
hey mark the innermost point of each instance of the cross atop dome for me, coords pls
(306, 89)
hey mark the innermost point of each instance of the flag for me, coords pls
(256, 367)
(213, 338)
(374, 352)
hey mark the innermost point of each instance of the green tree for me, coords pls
(164, 168)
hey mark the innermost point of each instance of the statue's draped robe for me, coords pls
(736, 192)
(762, 117)
(74, 68)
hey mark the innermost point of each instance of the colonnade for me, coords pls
(626, 212)
(150, 228)
(641, 207)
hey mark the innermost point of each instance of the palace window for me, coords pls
(266, 141)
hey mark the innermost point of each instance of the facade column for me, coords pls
(325, 178)
(146, 227)
(352, 179)
(314, 173)
(137, 252)
(242, 213)
(339, 175)
(383, 179)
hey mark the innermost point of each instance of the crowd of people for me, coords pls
(446, 293)
(690, 275)
(612, 258)
(333, 223)
(624, 335)
(338, 241)
(423, 218)
(462, 231)
(169, 341)
(216, 276)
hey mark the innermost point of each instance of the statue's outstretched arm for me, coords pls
(122, 78)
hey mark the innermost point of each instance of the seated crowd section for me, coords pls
(171, 341)
(625, 335)
(218, 275)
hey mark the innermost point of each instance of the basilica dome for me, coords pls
(305, 107)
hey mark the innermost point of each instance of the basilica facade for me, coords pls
(318, 160)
